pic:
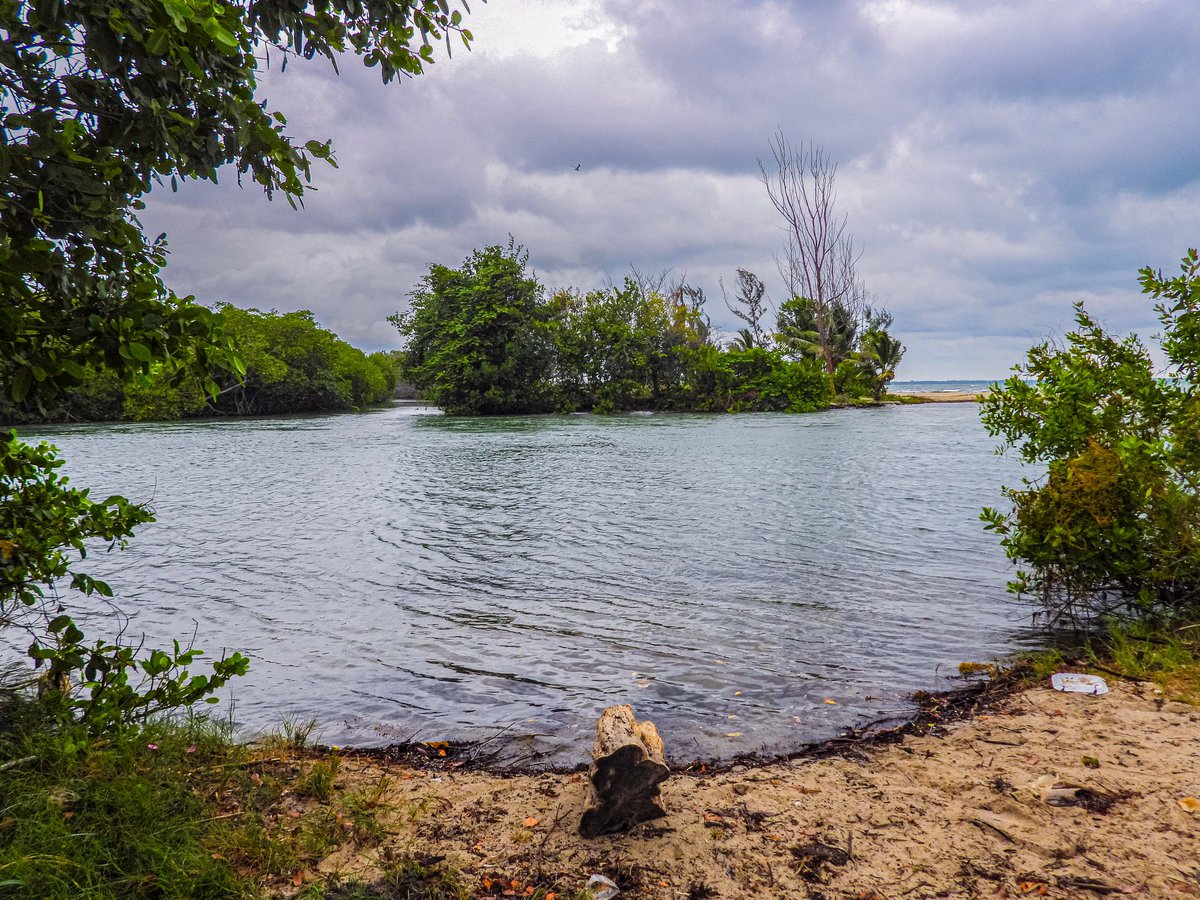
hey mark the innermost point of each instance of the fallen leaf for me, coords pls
(643, 683)
(737, 693)
(831, 701)
(733, 734)
(1091, 762)
(1189, 804)
(298, 879)
(664, 884)
(487, 883)
(720, 662)
(713, 818)
(528, 822)
(552, 896)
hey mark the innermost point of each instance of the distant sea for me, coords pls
(981, 384)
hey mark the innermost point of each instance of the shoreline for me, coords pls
(1005, 789)
(933, 712)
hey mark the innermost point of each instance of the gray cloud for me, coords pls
(998, 160)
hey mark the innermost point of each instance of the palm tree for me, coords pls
(744, 340)
(880, 354)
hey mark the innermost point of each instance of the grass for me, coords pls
(119, 819)
(176, 810)
(1168, 657)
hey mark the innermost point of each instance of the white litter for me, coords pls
(1078, 684)
(601, 888)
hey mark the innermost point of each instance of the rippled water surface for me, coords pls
(401, 573)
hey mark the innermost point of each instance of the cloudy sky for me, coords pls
(998, 159)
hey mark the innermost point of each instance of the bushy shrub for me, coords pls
(1113, 525)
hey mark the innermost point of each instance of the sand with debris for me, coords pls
(964, 814)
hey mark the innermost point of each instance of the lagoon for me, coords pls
(748, 582)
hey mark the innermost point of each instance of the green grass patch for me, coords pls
(175, 810)
(118, 819)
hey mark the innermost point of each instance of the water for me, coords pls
(401, 573)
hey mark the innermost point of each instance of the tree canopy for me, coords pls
(101, 101)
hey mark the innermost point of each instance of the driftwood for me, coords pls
(627, 768)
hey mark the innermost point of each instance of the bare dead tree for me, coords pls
(819, 261)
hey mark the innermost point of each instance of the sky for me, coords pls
(998, 160)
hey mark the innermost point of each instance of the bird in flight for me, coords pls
(577, 166)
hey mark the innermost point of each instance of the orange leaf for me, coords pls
(1189, 804)
(298, 879)
(713, 818)
(831, 701)
(552, 896)
(528, 822)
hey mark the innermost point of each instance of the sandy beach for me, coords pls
(943, 396)
(1043, 794)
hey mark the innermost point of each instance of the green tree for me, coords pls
(1113, 526)
(880, 354)
(478, 338)
(804, 335)
(103, 100)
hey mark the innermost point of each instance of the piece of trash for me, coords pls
(600, 888)
(1075, 683)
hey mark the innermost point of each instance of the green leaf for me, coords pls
(140, 351)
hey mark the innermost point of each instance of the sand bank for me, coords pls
(943, 396)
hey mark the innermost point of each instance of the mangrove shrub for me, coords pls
(1113, 525)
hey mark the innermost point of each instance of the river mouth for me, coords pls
(750, 583)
